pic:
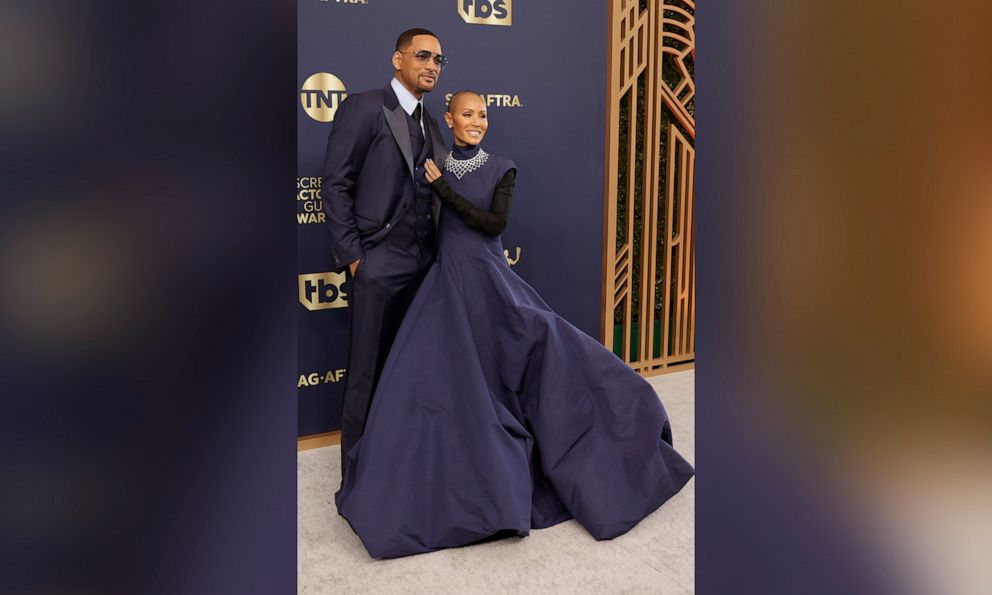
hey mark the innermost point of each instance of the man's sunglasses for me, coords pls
(423, 56)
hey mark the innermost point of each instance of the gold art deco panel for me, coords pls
(649, 256)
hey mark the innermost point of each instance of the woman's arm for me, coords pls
(493, 221)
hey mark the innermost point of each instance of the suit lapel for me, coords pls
(396, 118)
(437, 143)
(437, 147)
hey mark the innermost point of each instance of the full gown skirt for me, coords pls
(493, 415)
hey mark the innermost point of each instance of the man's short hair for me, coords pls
(406, 37)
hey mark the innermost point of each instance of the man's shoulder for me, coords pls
(371, 99)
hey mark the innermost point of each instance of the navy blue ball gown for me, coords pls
(494, 416)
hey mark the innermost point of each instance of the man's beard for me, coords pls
(425, 89)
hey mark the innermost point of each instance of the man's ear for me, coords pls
(397, 57)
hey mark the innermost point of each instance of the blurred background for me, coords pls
(148, 439)
(844, 348)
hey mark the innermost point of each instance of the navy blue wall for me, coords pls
(550, 60)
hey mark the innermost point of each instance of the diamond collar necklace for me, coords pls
(460, 167)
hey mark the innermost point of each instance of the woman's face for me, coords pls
(468, 119)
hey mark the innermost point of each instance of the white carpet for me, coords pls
(656, 556)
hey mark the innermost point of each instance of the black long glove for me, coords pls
(493, 221)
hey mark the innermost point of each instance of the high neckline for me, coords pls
(466, 152)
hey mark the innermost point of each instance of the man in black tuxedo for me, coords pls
(381, 212)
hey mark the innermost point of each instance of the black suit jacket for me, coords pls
(369, 176)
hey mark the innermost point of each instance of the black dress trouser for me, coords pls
(381, 291)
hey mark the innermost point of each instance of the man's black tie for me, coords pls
(416, 116)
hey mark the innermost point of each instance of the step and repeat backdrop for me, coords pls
(540, 65)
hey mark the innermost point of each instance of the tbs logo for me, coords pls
(322, 291)
(486, 12)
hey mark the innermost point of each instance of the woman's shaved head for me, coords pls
(460, 95)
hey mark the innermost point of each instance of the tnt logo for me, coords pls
(486, 12)
(322, 291)
(320, 96)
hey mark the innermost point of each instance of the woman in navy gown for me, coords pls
(493, 415)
